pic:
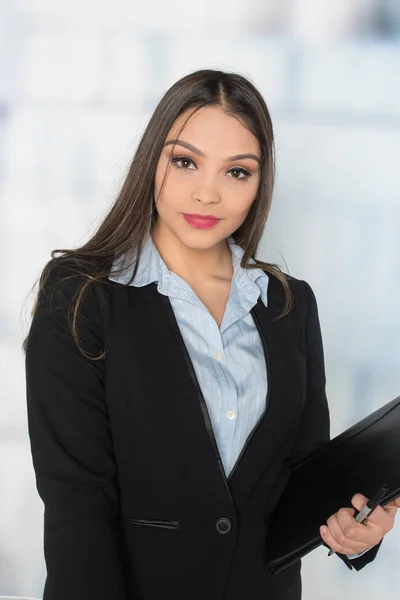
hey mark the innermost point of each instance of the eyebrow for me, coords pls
(200, 153)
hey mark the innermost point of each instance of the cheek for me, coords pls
(172, 187)
(241, 205)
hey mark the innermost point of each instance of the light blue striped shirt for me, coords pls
(228, 360)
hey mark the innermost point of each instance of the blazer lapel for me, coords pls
(173, 398)
(185, 404)
(274, 424)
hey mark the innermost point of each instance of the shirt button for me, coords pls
(219, 355)
(230, 414)
(223, 525)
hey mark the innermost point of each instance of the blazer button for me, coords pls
(223, 525)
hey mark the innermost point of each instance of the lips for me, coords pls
(203, 217)
(201, 222)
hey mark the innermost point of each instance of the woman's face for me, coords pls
(206, 176)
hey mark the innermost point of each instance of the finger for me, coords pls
(328, 538)
(356, 532)
(330, 541)
(359, 501)
(342, 549)
(347, 544)
(393, 504)
(382, 517)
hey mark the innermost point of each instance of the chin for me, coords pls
(200, 239)
(199, 244)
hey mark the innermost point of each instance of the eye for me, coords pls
(243, 174)
(183, 159)
(241, 171)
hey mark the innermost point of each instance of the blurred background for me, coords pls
(78, 83)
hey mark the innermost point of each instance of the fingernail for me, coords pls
(323, 529)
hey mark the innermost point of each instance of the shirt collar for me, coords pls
(152, 268)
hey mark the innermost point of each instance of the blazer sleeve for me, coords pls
(71, 446)
(314, 427)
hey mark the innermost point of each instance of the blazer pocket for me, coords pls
(151, 522)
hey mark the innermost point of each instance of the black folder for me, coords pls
(360, 459)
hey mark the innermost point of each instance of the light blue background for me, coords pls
(78, 82)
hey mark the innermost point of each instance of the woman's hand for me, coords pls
(344, 535)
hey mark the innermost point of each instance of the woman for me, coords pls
(172, 377)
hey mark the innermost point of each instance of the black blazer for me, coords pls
(137, 505)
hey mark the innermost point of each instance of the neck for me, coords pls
(193, 264)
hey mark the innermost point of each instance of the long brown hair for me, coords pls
(133, 214)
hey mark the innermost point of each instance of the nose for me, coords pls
(206, 191)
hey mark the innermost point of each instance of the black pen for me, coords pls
(371, 505)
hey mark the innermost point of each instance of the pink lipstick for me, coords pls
(201, 221)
